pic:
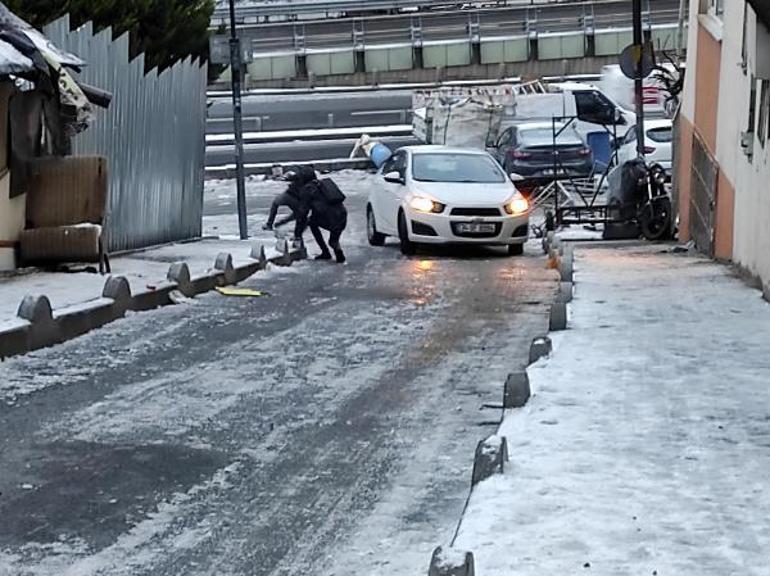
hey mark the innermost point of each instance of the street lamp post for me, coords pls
(638, 79)
(235, 68)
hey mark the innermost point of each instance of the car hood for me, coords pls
(455, 194)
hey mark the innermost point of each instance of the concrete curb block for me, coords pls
(43, 330)
(565, 292)
(451, 562)
(179, 274)
(490, 458)
(258, 254)
(300, 253)
(566, 266)
(540, 348)
(118, 290)
(13, 340)
(224, 264)
(553, 254)
(558, 317)
(78, 320)
(151, 299)
(39, 326)
(206, 283)
(517, 391)
(247, 270)
(285, 258)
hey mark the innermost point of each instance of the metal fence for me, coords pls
(153, 135)
(705, 172)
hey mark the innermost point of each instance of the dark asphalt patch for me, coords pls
(89, 491)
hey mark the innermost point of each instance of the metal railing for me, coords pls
(289, 9)
(476, 25)
(153, 135)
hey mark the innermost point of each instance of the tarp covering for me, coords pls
(12, 61)
(24, 50)
(26, 40)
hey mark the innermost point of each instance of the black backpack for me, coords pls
(330, 191)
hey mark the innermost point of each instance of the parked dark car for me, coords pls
(528, 150)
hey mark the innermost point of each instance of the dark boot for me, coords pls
(340, 255)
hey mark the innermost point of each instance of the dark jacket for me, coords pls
(315, 210)
(303, 175)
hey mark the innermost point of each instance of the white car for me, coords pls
(657, 144)
(441, 195)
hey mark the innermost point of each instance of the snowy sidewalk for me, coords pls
(143, 270)
(645, 448)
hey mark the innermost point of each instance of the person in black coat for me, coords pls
(290, 197)
(322, 206)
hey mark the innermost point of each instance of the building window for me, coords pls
(713, 7)
(747, 137)
(752, 105)
(716, 8)
(764, 113)
(744, 45)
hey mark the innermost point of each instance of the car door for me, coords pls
(378, 196)
(392, 194)
(502, 146)
(596, 113)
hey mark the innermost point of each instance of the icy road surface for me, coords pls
(328, 429)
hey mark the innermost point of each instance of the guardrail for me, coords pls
(226, 94)
(289, 9)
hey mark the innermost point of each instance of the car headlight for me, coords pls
(519, 205)
(423, 204)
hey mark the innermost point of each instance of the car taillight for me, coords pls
(649, 149)
(519, 154)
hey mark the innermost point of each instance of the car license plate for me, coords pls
(475, 228)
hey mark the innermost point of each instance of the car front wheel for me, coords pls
(515, 249)
(408, 247)
(375, 238)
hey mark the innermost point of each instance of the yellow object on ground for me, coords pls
(242, 292)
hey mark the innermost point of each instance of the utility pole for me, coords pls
(639, 50)
(235, 68)
(680, 42)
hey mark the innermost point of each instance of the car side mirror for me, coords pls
(394, 178)
(516, 177)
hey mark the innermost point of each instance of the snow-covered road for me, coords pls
(327, 429)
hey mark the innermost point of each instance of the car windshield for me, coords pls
(471, 168)
(544, 136)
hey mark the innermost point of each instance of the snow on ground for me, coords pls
(149, 268)
(142, 269)
(646, 445)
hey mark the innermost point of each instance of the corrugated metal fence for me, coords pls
(153, 135)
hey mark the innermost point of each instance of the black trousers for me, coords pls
(335, 231)
(334, 238)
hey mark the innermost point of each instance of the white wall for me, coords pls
(12, 214)
(12, 210)
(751, 234)
(688, 99)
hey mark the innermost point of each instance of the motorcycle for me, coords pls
(643, 197)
